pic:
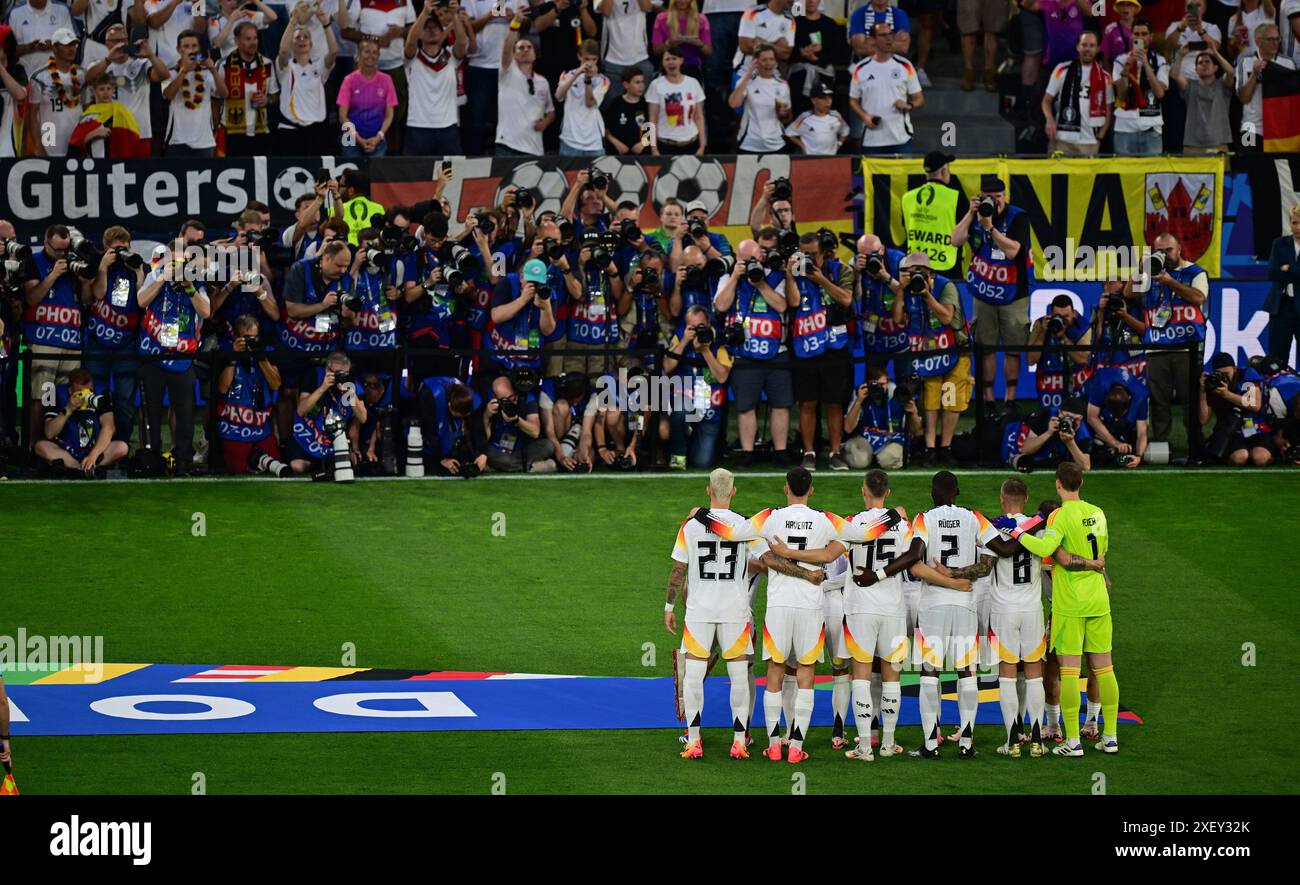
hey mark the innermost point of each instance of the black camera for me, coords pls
(1065, 426)
(462, 265)
(352, 301)
(565, 227)
(542, 291)
(877, 393)
(649, 278)
(1155, 264)
(694, 277)
(827, 241)
(1055, 326)
(733, 335)
(781, 189)
(252, 342)
(397, 239)
(509, 407)
(126, 257)
(755, 272)
(597, 179)
(703, 334)
(552, 250)
(525, 199)
(873, 265)
(720, 266)
(1109, 456)
(987, 207)
(1215, 381)
(629, 231)
(323, 175)
(377, 258)
(917, 283)
(1112, 304)
(486, 223)
(523, 380)
(697, 228)
(803, 265)
(908, 387)
(787, 242)
(774, 261)
(341, 378)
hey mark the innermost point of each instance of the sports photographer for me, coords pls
(113, 327)
(1234, 397)
(998, 278)
(649, 319)
(370, 338)
(457, 441)
(758, 294)
(819, 322)
(1117, 416)
(1115, 328)
(242, 283)
(79, 428)
(175, 304)
(568, 409)
(693, 286)
(523, 311)
(595, 308)
(881, 426)
(513, 429)
(1282, 399)
(1173, 293)
(327, 419)
(927, 304)
(246, 389)
(713, 245)
(699, 363)
(587, 202)
(775, 208)
(54, 282)
(883, 340)
(440, 289)
(313, 317)
(1048, 437)
(1060, 374)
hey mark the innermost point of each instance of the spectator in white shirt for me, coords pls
(675, 107)
(883, 92)
(98, 16)
(190, 90)
(765, 98)
(303, 125)
(582, 90)
(1241, 27)
(433, 123)
(1194, 32)
(132, 76)
(1077, 123)
(1250, 71)
(624, 39)
(54, 108)
(821, 131)
(1141, 79)
(490, 20)
(765, 25)
(525, 108)
(166, 20)
(221, 28)
(33, 24)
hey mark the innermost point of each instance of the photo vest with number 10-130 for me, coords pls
(244, 410)
(929, 214)
(880, 334)
(1170, 318)
(764, 325)
(1057, 376)
(56, 320)
(809, 335)
(925, 333)
(993, 277)
(318, 333)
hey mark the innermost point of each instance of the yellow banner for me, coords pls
(1088, 218)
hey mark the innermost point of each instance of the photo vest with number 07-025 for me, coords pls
(926, 334)
(993, 277)
(764, 325)
(1169, 318)
(929, 214)
(56, 320)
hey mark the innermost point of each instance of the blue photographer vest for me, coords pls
(593, 320)
(1057, 377)
(375, 327)
(880, 334)
(244, 410)
(925, 334)
(315, 334)
(881, 425)
(56, 321)
(1170, 318)
(992, 277)
(114, 321)
(764, 329)
(809, 335)
(522, 332)
(170, 325)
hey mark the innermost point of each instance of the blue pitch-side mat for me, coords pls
(148, 702)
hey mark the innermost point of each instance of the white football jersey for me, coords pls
(951, 535)
(884, 597)
(798, 526)
(837, 571)
(717, 571)
(1017, 580)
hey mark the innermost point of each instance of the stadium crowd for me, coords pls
(368, 337)
(130, 78)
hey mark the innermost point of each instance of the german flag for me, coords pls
(1281, 107)
(124, 140)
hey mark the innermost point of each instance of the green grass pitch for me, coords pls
(412, 574)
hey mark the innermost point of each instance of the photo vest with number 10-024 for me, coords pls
(928, 218)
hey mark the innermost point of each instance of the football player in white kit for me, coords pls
(716, 577)
(794, 629)
(837, 571)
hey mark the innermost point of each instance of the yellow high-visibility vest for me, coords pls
(929, 214)
(357, 212)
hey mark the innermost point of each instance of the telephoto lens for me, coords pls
(754, 271)
(1055, 326)
(874, 265)
(988, 207)
(916, 285)
(704, 333)
(720, 266)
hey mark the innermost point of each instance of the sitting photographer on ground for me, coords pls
(567, 407)
(457, 441)
(333, 408)
(245, 397)
(79, 428)
(1117, 416)
(881, 427)
(700, 365)
(514, 431)
(1234, 397)
(1060, 374)
(1048, 438)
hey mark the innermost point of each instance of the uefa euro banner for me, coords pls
(728, 187)
(1088, 218)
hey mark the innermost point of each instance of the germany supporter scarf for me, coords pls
(244, 79)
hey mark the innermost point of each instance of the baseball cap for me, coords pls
(63, 36)
(991, 184)
(696, 204)
(915, 259)
(936, 160)
(534, 271)
(1222, 361)
(820, 90)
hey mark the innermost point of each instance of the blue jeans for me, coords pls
(480, 119)
(1138, 144)
(701, 450)
(354, 152)
(432, 142)
(566, 151)
(115, 370)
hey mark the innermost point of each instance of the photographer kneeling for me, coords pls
(1234, 397)
(325, 419)
(880, 426)
(448, 427)
(514, 431)
(1047, 438)
(245, 395)
(1117, 415)
(698, 362)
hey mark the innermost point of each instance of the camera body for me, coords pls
(1055, 326)
(629, 231)
(720, 266)
(733, 335)
(987, 207)
(509, 407)
(552, 249)
(486, 223)
(1155, 264)
(341, 378)
(756, 271)
(650, 278)
(1216, 382)
(697, 228)
(873, 265)
(918, 282)
(1066, 426)
(781, 189)
(597, 179)
(703, 334)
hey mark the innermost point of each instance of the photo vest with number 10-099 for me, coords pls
(1170, 318)
(925, 333)
(993, 277)
(929, 214)
(764, 325)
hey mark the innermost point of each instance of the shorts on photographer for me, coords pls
(1001, 323)
(826, 378)
(750, 379)
(959, 376)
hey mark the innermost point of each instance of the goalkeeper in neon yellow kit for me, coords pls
(1080, 605)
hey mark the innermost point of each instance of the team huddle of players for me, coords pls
(946, 586)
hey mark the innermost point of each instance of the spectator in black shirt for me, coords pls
(820, 44)
(625, 115)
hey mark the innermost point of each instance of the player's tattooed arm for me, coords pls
(1076, 563)
(783, 566)
(936, 578)
(902, 562)
(677, 582)
(978, 570)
